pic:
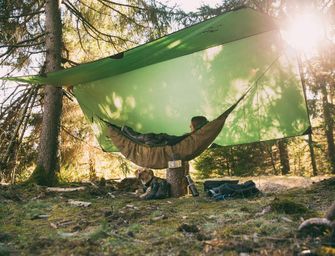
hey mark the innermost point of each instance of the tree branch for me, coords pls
(23, 43)
(125, 5)
(78, 14)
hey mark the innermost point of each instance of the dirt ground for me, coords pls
(35, 221)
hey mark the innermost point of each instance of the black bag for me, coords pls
(210, 184)
(225, 191)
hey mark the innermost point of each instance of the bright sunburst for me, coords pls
(304, 32)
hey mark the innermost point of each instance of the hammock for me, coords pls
(186, 148)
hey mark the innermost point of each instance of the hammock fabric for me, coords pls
(157, 157)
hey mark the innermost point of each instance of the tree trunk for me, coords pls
(329, 128)
(284, 158)
(311, 150)
(177, 180)
(310, 140)
(273, 164)
(92, 171)
(47, 162)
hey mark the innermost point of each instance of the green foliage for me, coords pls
(205, 165)
(288, 206)
(72, 174)
(244, 160)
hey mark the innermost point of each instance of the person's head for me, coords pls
(197, 122)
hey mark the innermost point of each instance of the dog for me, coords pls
(152, 187)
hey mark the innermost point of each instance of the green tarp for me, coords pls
(200, 70)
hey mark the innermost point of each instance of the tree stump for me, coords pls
(177, 180)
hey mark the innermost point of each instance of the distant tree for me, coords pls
(284, 158)
(242, 160)
(322, 80)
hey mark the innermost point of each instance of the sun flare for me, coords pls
(304, 32)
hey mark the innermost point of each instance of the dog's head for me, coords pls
(144, 175)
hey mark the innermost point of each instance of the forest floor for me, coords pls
(35, 221)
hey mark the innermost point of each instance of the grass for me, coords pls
(36, 222)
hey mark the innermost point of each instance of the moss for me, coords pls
(288, 206)
(41, 177)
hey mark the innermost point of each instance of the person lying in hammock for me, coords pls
(161, 139)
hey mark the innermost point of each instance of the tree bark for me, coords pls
(273, 164)
(177, 180)
(311, 150)
(329, 127)
(310, 139)
(284, 158)
(47, 162)
(92, 170)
